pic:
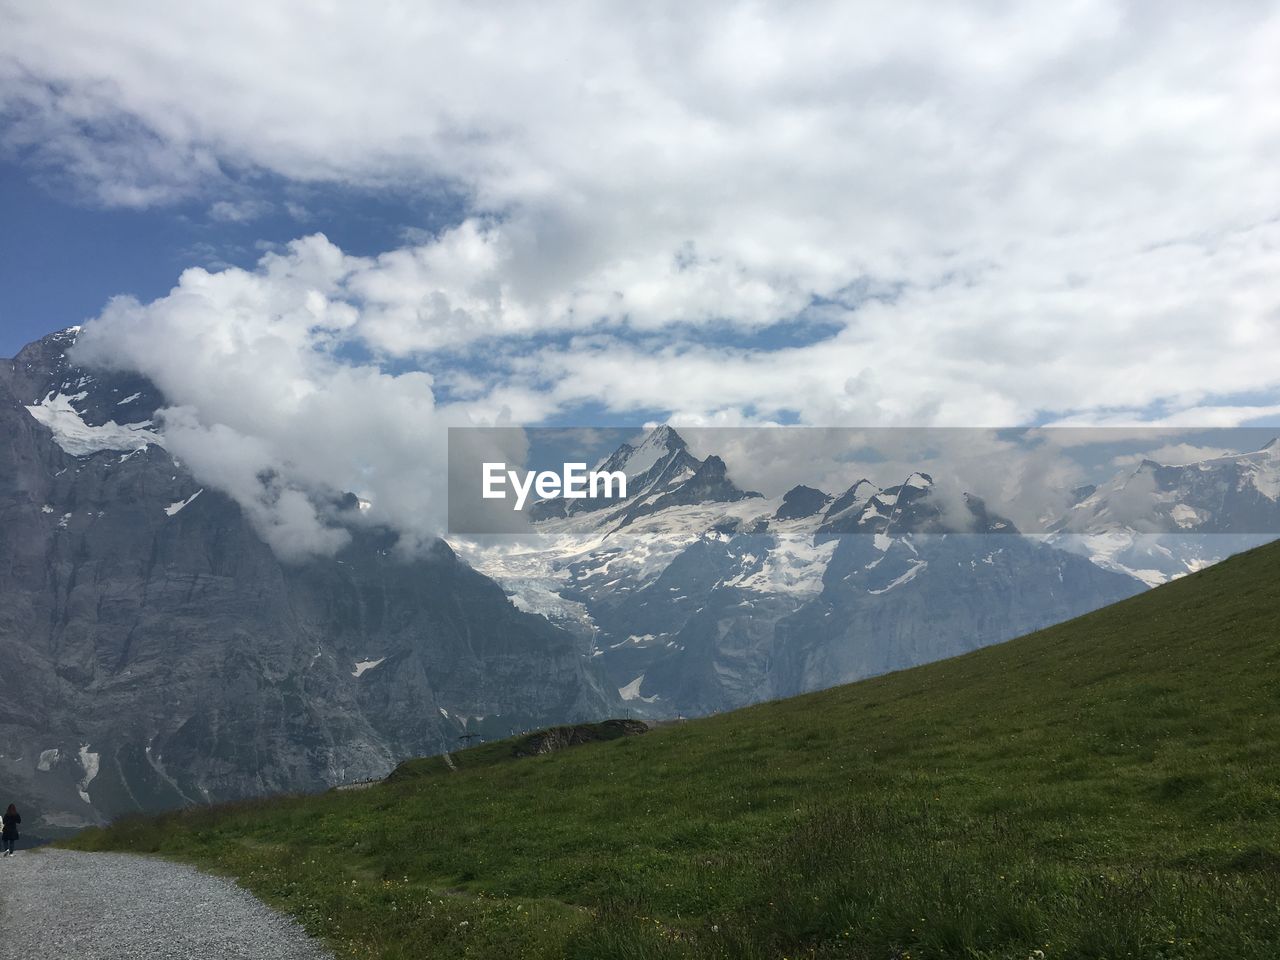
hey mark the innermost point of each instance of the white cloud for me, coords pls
(686, 162)
(239, 211)
(1180, 324)
(1070, 210)
(266, 411)
(1023, 482)
(1174, 455)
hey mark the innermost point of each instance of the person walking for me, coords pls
(10, 832)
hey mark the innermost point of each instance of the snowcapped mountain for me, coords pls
(156, 652)
(661, 473)
(1158, 521)
(698, 596)
(1224, 495)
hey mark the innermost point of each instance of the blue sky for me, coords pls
(59, 261)
(63, 256)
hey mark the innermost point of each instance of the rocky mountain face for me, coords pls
(156, 652)
(700, 597)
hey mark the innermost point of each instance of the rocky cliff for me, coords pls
(155, 651)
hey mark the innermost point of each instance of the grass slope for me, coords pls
(1106, 788)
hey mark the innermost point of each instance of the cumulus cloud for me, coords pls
(681, 163)
(251, 471)
(265, 409)
(994, 214)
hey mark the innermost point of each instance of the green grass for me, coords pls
(1106, 788)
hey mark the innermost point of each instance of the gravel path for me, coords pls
(63, 905)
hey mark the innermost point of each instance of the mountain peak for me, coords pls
(855, 496)
(800, 490)
(666, 436)
(709, 483)
(801, 501)
(658, 445)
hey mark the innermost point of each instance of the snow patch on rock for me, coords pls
(916, 567)
(632, 691)
(89, 764)
(795, 566)
(78, 438)
(174, 508)
(364, 666)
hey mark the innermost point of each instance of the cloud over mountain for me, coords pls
(820, 213)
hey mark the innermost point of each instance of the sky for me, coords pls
(63, 256)
(836, 214)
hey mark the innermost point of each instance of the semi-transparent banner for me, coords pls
(1059, 481)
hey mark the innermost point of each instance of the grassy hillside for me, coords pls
(1106, 788)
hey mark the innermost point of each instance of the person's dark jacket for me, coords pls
(11, 821)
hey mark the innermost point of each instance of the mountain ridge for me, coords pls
(161, 653)
(130, 588)
(709, 601)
